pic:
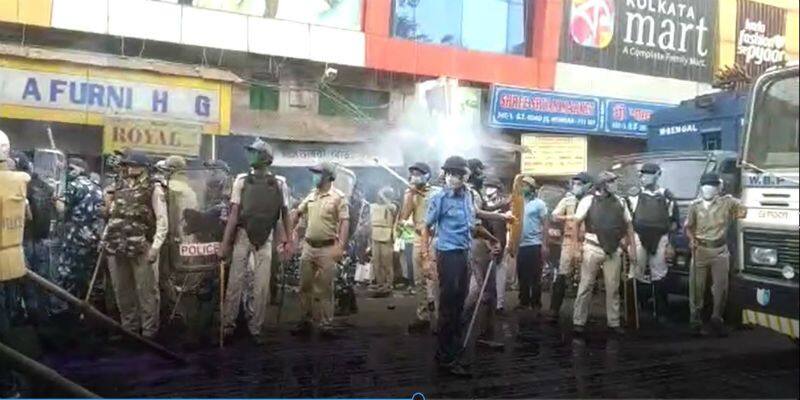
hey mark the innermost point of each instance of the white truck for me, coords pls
(765, 286)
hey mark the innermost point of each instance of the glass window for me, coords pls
(774, 136)
(484, 25)
(712, 141)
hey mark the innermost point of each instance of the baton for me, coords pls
(283, 292)
(478, 304)
(221, 304)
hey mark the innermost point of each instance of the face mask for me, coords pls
(491, 192)
(648, 179)
(256, 159)
(73, 173)
(453, 181)
(316, 180)
(418, 180)
(578, 189)
(529, 192)
(709, 192)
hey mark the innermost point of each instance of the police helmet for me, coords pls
(135, 157)
(456, 164)
(421, 167)
(710, 178)
(327, 169)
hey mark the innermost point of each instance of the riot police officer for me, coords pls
(259, 199)
(137, 228)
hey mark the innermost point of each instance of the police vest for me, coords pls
(651, 219)
(382, 221)
(132, 222)
(13, 189)
(262, 201)
(606, 219)
(420, 206)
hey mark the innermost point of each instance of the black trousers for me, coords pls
(529, 275)
(453, 269)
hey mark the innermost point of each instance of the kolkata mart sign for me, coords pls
(654, 37)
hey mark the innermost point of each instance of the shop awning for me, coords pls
(114, 61)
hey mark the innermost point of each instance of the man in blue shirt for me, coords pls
(533, 248)
(451, 217)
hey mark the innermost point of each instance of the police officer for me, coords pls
(382, 217)
(533, 247)
(415, 206)
(137, 228)
(13, 203)
(655, 215)
(324, 226)
(451, 216)
(570, 259)
(259, 200)
(83, 226)
(707, 227)
(496, 200)
(607, 221)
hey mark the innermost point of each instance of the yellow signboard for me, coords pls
(157, 137)
(553, 155)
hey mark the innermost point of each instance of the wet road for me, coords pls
(375, 357)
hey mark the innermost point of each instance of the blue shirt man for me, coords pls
(535, 214)
(452, 215)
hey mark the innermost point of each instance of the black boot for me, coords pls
(559, 288)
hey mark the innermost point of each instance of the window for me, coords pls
(712, 141)
(373, 103)
(484, 25)
(264, 98)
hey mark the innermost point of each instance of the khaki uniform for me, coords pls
(13, 201)
(708, 222)
(425, 282)
(135, 280)
(595, 258)
(260, 269)
(382, 220)
(570, 247)
(322, 215)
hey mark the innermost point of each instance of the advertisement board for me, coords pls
(666, 38)
(535, 110)
(551, 155)
(760, 36)
(155, 137)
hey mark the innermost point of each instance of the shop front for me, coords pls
(564, 133)
(88, 104)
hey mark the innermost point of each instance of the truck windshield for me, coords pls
(681, 177)
(773, 141)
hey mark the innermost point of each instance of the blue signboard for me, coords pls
(629, 117)
(546, 111)
(558, 112)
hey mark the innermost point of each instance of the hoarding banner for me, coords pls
(531, 109)
(549, 155)
(629, 117)
(564, 113)
(157, 137)
(669, 38)
(760, 36)
(348, 155)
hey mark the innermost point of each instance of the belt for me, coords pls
(320, 243)
(711, 244)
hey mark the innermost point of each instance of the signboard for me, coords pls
(530, 109)
(549, 155)
(760, 36)
(629, 117)
(348, 155)
(669, 38)
(158, 137)
(558, 112)
(199, 249)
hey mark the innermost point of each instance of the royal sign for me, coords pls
(565, 113)
(150, 136)
(199, 249)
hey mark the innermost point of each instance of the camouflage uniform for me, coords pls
(83, 227)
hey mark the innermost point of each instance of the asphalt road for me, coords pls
(375, 357)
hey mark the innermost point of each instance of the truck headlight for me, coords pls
(788, 272)
(763, 256)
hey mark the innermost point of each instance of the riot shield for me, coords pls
(345, 181)
(51, 166)
(346, 270)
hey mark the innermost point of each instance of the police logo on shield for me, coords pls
(762, 296)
